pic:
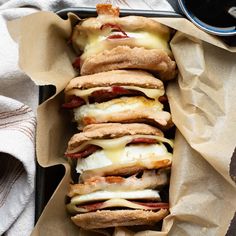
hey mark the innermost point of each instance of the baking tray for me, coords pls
(85, 12)
(47, 179)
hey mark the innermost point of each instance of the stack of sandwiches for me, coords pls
(120, 153)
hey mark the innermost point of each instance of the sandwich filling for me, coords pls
(144, 155)
(132, 150)
(113, 91)
(149, 180)
(100, 155)
(147, 194)
(121, 109)
(109, 36)
(117, 103)
(147, 199)
(116, 203)
(118, 142)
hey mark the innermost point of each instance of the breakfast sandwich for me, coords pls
(122, 168)
(121, 96)
(109, 42)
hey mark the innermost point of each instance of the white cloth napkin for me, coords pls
(17, 169)
(17, 122)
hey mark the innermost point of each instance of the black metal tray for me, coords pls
(47, 179)
(85, 12)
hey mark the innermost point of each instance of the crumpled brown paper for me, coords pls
(203, 107)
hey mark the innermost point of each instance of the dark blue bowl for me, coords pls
(221, 31)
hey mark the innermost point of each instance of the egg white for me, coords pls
(110, 108)
(129, 154)
(105, 195)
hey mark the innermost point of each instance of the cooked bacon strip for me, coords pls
(89, 120)
(114, 27)
(113, 179)
(102, 95)
(156, 205)
(76, 63)
(74, 103)
(86, 152)
(93, 148)
(107, 179)
(114, 92)
(144, 140)
(149, 179)
(120, 90)
(107, 9)
(117, 36)
(102, 205)
(163, 99)
(110, 25)
(93, 206)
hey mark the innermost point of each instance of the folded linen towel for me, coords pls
(17, 169)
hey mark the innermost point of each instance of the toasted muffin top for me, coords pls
(115, 77)
(111, 130)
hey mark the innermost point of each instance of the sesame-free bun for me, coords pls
(124, 57)
(115, 78)
(111, 130)
(114, 218)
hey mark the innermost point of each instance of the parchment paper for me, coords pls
(202, 101)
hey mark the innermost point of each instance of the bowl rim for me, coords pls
(227, 31)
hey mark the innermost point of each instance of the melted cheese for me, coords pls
(138, 154)
(93, 42)
(149, 40)
(105, 195)
(85, 93)
(119, 143)
(116, 202)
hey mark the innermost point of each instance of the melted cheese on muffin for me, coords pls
(140, 154)
(85, 93)
(93, 42)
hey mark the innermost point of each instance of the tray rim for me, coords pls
(91, 11)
